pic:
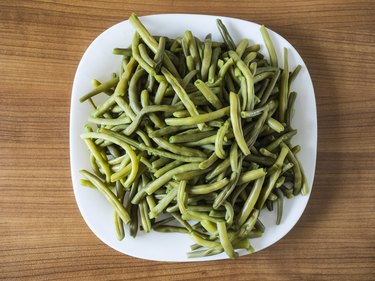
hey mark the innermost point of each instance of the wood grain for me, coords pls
(42, 234)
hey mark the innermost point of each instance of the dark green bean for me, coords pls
(225, 34)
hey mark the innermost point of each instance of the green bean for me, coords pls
(275, 125)
(262, 160)
(205, 253)
(229, 215)
(293, 76)
(166, 168)
(169, 130)
(267, 153)
(305, 187)
(220, 139)
(145, 220)
(201, 142)
(198, 119)
(225, 242)
(208, 94)
(251, 175)
(151, 43)
(225, 34)
(144, 55)
(193, 49)
(208, 188)
(253, 135)
(170, 228)
(289, 110)
(111, 122)
(296, 169)
(279, 206)
(133, 95)
(249, 79)
(163, 203)
(124, 145)
(269, 46)
(86, 183)
(224, 194)
(160, 93)
(241, 47)
(161, 153)
(221, 167)
(262, 76)
(121, 211)
(188, 77)
(192, 137)
(248, 226)
(251, 200)
(224, 69)
(236, 123)
(283, 97)
(264, 69)
(207, 55)
(255, 112)
(180, 92)
(178, 149)
(270, 88)
(155, 185)
(101, 88)
(198, 216)
(281, 139)
(121, 51)
(99, 158)
(137, 56)
(146, 110)
(249, 58)
(212, 70)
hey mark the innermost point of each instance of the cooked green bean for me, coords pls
(207, 55)
(208, 94)
(154, 185)
(225, 242)
(275, 125)
(198, 119)
(219, 150)
(191, 137)
(236, 123)
(293, 76)
(163, 203)
(248, 76)
(151, 43)
(269, 45)
(225, 34)
(178, 149)
(250, 201)
(289, 110)
(251, 175)
(146, 110)
(270, 88)
(101, 88)
(208, 188)
(145, 56)
(162, 153)
(280, 139)
(284, 88)
(121, 211)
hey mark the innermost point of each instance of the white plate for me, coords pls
(98, 62)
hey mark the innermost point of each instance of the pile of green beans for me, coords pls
(194, 137)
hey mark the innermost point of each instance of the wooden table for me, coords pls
(42, 234)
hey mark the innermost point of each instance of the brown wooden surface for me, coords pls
(42, 234)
